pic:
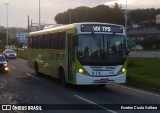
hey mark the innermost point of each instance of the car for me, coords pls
(3, 64)
(10, 54)
(137, 47)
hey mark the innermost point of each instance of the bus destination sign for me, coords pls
(101, 28)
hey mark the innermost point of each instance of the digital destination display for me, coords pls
(101, 28)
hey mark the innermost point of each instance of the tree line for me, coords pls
(3, 41)
(107, 14)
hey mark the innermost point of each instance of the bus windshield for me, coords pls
(101, 49)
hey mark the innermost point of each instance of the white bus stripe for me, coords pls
(86, 100)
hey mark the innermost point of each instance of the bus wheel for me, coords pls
(62, 77)
(36, 68)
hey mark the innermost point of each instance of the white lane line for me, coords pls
(12, 66)
(86, 100)
(32, 76)
(22, 60)
(137, 90)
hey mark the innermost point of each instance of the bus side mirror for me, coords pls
(127, 51)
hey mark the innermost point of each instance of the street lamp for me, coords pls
(126, 18)
(7, 20)
(39, 14)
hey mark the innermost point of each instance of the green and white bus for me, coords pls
(81, 53)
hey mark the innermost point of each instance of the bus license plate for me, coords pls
(104, 80)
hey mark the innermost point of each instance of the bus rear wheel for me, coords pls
(62, 77)
(36, 69)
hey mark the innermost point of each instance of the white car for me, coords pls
(137, 47)
(9, 54)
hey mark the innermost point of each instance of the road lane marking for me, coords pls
(137, 90)
(12, 66)
(22, 60)
(32, 76)
(91, 102)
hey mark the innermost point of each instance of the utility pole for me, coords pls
(7, 20)
(126, 17)
(39, 15)
(28, 25)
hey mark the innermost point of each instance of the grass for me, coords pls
(144, 73)
(22, 54)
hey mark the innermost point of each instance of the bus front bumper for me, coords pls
(89, 80)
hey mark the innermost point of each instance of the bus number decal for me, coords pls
(96, 73)
(100, 28)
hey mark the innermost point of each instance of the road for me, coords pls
(20, 86)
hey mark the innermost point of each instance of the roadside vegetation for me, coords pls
(22, 54)
(144, 73)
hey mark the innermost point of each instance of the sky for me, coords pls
(18, 10)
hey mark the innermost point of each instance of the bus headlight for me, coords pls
(81, 71)
(123, 70)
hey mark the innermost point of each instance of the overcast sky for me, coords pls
(18, 10)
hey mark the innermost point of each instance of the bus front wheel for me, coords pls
(62, 77)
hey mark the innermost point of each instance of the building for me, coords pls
(35, 26)
(144, 31)
(22, 37)
(2, 29)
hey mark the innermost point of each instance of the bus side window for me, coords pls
(46, 41)
(54, 41)
(61, 40)
(34, 42)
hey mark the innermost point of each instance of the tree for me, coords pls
(12, 41)
(3, 40)
(116, 6)
(101, 13)
(139, 15)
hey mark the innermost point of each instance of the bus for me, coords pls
(89, 53)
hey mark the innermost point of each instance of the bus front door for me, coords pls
(69, 57)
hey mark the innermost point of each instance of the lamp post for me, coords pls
(39, 14)
(126, 17)
(7, 20)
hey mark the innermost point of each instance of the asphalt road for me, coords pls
(20, 86)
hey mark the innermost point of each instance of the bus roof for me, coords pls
(70, 26)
